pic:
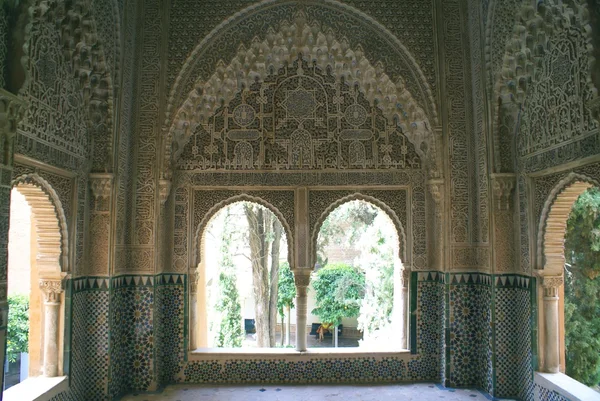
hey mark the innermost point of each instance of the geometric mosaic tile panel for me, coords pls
(544, 394)
(170, 317)
(90, 336)
(470, 337)
(139, 344)
(132, 344)
(513, 335)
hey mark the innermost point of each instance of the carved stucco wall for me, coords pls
(411, 22)
(138, 181)
(557, 125)
(68, 121)
(466, 137)
(66, 132)
(125, 190)
(4, 32)
(233, 32)
(150, 30)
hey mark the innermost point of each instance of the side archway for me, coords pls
(553, 222)
(51, 229)
(49, 256)
(550, 268)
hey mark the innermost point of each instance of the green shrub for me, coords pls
(339, 291)
(18, 326)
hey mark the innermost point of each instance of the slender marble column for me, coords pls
(195, 334)
(302, 279)
(405, 307)
(550, 285)
(51, 290)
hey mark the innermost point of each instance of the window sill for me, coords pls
(37, 389)
(565, 386)
(204, 354)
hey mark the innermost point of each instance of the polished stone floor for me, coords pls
(404, 392)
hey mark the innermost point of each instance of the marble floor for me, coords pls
(404, 392)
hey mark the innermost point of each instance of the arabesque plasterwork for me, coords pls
(316, 80)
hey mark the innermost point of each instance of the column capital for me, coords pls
(194, 283)
(164, 189)
(52, 288)
(550, 280)
(302, 276)
(594, 106)
(405, 277)
(503, 186)
(550, 284)
(12, 110)
(436, 187)
(101, 185)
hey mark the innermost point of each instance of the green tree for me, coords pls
(285, 297)
(229, 332)
(264, 240)
(287, 289)
(582, 289)
(344, 227)
(17, 340)
(378, 264)
(339, 290)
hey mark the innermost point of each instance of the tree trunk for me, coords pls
(260, 279)
(283, 330)
(289, 326)
(274, 280)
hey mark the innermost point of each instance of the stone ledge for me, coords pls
(565, 386)
(37, 389)
(290, 354)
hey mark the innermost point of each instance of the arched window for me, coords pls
(553, 232)
(580, 294)
(236, 301)
(37, 240)
(359, 282)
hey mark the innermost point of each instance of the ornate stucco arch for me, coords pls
(553, 222)
(198, 250)
(50, 222)
(523, 59)
(83, 49)
(190, 105)
(402, 245)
